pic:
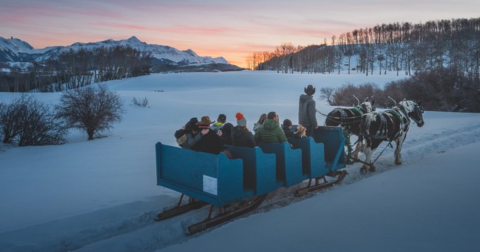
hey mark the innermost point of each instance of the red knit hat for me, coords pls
(241, 121)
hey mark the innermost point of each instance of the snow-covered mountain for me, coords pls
(16, 50)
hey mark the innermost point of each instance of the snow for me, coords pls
(101, 195)
(15, 45)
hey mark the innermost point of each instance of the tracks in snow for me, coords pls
(141, 233)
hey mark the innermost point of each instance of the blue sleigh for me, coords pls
(240, 184)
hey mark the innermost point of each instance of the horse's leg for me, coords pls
(398, 149)
(368, 160)
(358, 148)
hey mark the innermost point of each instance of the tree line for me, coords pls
(443, 89)
(399, 47)
(77, 68)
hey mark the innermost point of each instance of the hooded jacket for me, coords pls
(270, 132)
(306, 111)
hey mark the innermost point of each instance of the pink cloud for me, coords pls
(36, 12)
(177, 29)
(123, 26)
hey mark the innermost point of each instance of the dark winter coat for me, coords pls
(192, 139)
(270, 132)
(288, 132)
(226, 134)
(307, 112)
(187, 138)
(209, 143)
(242, 138)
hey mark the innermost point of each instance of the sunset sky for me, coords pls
(232, 29)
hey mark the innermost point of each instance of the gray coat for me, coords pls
(307, 112)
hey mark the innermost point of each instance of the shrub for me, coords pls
(30, 122)
(10, 115)
(92, 109)
(139, 102)
(345, 95)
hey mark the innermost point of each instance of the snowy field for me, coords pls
(101, 195)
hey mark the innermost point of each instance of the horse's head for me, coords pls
(367, 106)
(414, 110)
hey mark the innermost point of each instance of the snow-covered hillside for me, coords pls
(14, 50)
(101, 195)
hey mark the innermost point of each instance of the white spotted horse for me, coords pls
(349, 118)
(390, 125)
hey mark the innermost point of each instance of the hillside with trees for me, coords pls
(403, 48)
(77, 68)
(442, 59)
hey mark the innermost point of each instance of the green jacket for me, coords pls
(270, 132)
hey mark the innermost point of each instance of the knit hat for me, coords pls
(205, 122)
(309, 90)
(241, 121)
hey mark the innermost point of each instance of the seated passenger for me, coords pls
(226, 134)
(259, 122)
(210, 140)
(187, 136)
(241, 136)
(219, 123)
(287, 129)
(270, 131)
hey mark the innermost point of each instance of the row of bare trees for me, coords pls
(77, 68)
(257, 58)
(402, 48)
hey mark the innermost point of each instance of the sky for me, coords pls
(102, 195)
(231, 29)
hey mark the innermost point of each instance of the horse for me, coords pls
(390, 125)
(349, 119)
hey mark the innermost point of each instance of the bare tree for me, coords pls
(30, 122)
(40, 125)
(326, 93)
(92, 109)
(10, 123)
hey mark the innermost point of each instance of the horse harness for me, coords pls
(344, 118)
(388, 116)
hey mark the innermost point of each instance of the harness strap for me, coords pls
(343, 115)
(396, 114)
(357, 110)
(382, 128)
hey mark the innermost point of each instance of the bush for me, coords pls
(92, 109)
(30, 122)
(444, 89)
(345, 95)
(10, 122)
(139, 102)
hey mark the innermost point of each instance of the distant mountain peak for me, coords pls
(134, 39)
(15, 44)
(191, 52)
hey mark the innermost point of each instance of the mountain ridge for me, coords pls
(17, 50)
